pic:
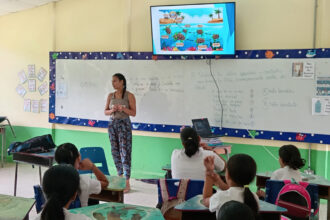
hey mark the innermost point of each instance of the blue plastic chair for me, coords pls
(40, 199)
(195, 187)
(97, 156)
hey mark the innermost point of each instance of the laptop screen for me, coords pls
(202, 126)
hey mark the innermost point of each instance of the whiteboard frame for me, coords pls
(243, 54)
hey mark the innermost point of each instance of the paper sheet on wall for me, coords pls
(27, 105)
(323, 86)
(304, 70)
(43, 88)
(31, 71)
(22, 77)
(320, 106)
(35, 105)
(44, 105)
(20, 90)
(32, 85)
(309, 70)
(42, 73)
(297, 69)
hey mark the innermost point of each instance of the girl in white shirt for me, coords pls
(241, 170)
(60, 186)
(68, 154)
(187, 163)
(290, 162)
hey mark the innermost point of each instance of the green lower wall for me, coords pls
(151, 153)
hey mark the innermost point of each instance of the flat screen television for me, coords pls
(196, 29)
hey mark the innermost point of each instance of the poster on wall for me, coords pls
(35, 105)
(43, 105)
(20, 90)
(43, 88)
(42, 73)
(31, 71)
(22, 77)
(27, 105)
(32, 85)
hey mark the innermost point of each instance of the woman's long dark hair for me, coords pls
(60, 183)
(290, 156)
(121, 77)
(242, 169)
(190, 141)
(66, 153)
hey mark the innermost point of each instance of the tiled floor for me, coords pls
(143, 194)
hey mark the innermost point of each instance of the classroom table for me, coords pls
(15, 208)
(323, 184)
(40, 159)
(114, 192)
(113, 210)
(194, 209)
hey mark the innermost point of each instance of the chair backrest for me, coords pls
(97, 156)
(195, 187)
(40, 199)
(300, 199)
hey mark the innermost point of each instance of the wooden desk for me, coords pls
(121, 211)
(15, 208)
(191, 206)
(114, 192)
(323, 184)
(40, 159)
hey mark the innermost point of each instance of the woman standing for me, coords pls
(120, 105)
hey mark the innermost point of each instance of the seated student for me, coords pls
(60, 186)
(68, 154)
(241, 170)
(234, 210)
(290, 162)
(187, 163)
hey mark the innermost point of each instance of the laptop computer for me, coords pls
(203, 128)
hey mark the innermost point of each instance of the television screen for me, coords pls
(203, 29)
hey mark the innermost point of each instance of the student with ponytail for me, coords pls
(187, 163)
(60, 185)
(119, 106)
(241, 170)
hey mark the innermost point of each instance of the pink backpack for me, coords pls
(295, 198)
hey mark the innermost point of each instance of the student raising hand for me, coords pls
(209, 163)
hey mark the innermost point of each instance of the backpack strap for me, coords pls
(171, 201)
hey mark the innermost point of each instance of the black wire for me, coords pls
(216, 84)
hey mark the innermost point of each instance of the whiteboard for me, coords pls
(256, 94)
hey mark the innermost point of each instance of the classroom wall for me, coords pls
(124, 25)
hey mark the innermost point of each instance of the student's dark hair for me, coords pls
(242, 169)
(60, 183)
(66, 153)
(234, 210)
(121, 77)
(190, 141)
(290, 156)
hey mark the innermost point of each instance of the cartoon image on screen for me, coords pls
(194, 29)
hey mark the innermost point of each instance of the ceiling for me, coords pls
(11, 6)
